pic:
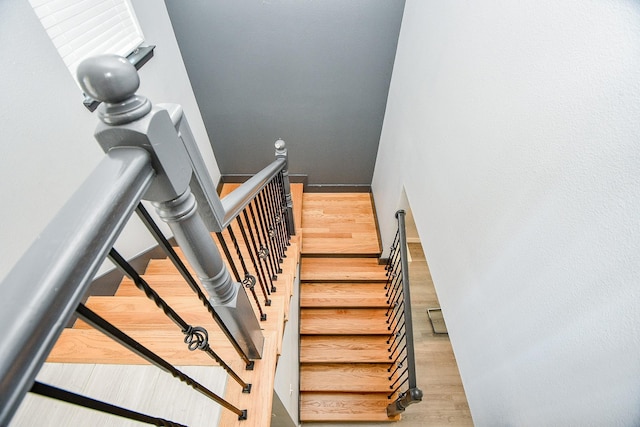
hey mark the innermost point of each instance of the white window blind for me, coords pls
(83, 28)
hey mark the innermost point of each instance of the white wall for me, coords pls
(47, 146)
(286, 386)
(514, 127)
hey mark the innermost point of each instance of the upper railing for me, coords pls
(402, 371)
(150, 155)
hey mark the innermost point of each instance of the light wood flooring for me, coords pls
(343, 333)
(339, 224)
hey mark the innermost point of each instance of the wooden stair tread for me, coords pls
(344, 349)
(163, 277)
(341, 269)
(342, 294)
(344, 407)
(92, 346)
(342, 377)
(343, 321)
(139, 312)
(339, 223)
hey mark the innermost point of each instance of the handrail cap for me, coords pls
(108, 78)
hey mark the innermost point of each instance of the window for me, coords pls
(83, 28)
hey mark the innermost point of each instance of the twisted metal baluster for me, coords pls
(273, 217)
(281, 191)
(196, 337)
(258, 270)
(256, 250)
(268, 218)
(280, 201)
(117, 335)
(227, 253)
(263, 254)
(269, 234)
(177, 262)
(278, 219)
(249, 281)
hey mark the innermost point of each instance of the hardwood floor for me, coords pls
(339, 224)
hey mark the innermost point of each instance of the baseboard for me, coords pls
(239, 178)
(338, 188)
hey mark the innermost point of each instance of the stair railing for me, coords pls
(402, 370)
(150, 154)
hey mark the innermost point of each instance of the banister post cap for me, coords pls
(108, 78)
(113, 80)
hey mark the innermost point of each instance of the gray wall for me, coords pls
(313, 73)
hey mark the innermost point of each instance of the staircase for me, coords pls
(343, 334)
(83, 351)
(343, 330)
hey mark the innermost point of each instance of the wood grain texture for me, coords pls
(343, 349)
(343, 294)
(356, 377)
(344, 321)
(339, 224)
(341, 269)
(343, 407)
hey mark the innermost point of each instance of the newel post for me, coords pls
(130, 120)
(281, 153)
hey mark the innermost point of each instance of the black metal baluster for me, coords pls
(392, 277)
(275, 223)
(285, 210)
(196, 337)
(396, 293)
(393, 295)
(256, 267)
(257, 252)
(184, 272)
(117, 335)
(392, 350)
(395, 335)
(268, 217)
(264, 220)
(398, 388)
(397, 313)
(399, 353)
(263, 253)
(398, 367)
(56, 393)
(249, 281)
(225, 249)
(399, 376)
(283, 198)
(278, 217)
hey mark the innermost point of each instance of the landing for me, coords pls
(339, 224)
